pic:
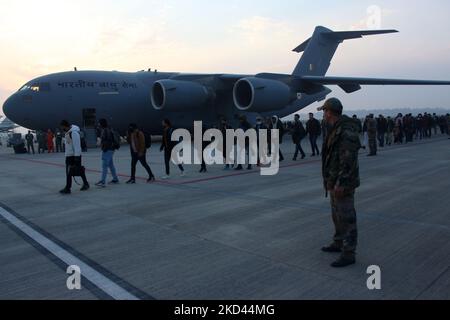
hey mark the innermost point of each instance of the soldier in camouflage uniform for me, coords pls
(341, 179)
(448, 124)
(372, 134)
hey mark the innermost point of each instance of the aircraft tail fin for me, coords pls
(318, 51)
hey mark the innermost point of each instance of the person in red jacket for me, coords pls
(50, 144)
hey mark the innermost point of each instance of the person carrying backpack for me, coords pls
(110, 142)
(138, 147)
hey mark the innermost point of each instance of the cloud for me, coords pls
(119, 36)
(258, 30)
(263, 44)
(53, 36)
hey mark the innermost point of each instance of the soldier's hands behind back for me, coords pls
(339, 192)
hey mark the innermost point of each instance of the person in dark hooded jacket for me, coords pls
(167, 146)
(244, 125)
(276, 124)
(314, 130)
(298, 134)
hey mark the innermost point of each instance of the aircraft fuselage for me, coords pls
(121, 98)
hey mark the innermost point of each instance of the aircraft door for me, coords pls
(89, 118)
(90, 127)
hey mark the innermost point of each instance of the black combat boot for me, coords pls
(85, 187)
(65, 191)
(346, 259)
(335, 247)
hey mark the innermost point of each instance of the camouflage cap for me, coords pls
(332, 104)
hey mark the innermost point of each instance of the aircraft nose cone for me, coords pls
(8, 108)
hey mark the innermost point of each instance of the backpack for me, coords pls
(281, 128)
(115, 139)
(302, 131)
(148, 139)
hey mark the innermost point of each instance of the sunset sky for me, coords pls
(235, 36)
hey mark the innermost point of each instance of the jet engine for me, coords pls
(261, 95)
(178, 96)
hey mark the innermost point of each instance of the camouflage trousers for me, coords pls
(345, 221)
(389, 138)
(373, 145)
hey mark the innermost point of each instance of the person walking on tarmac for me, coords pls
(73, 156)
(276, 124)
(298, 134)
(167, 146)
(313, 128)
(138, 149)
(108, 145)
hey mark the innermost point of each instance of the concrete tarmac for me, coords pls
(224, 234)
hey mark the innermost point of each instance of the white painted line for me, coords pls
(108, 93)
(103, 283)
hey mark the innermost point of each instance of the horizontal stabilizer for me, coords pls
(347, 35)
(343, 35)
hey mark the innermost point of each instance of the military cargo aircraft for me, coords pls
(147, 97)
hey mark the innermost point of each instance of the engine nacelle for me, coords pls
(177, 96)
(261, 95)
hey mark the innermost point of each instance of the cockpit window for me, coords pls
(36, 87)
(44, 86)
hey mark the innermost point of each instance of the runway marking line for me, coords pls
(98, 278)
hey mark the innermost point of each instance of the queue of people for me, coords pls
(402, 129)
(49, 141)
(377, 133)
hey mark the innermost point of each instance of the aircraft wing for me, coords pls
(7, 125)
(232, 77)
(352, 84)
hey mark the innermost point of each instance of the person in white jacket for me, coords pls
(72, 144)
